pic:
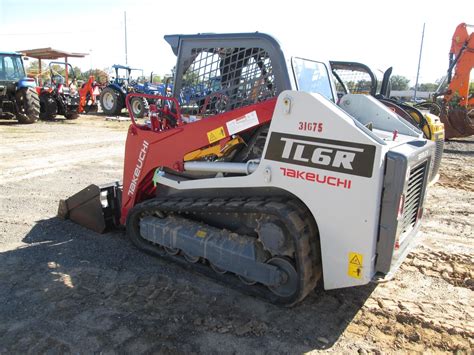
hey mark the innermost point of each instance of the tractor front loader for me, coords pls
(266, 184)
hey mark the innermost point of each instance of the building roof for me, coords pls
(50, 53)
(10, 53)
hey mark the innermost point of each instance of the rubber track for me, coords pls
(295, 216)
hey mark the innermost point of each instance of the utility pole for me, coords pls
(125, 18)
(419, 61)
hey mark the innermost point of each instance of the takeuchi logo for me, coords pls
(138, 168)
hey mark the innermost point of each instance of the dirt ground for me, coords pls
(65, 289)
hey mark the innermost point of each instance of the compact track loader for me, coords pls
(353, 77)
(264, 182)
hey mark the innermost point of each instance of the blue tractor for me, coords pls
(18, 96)
(112, 98)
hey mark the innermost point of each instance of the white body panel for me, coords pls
(347, 215)
(367, 109)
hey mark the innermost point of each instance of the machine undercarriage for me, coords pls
(263, 241)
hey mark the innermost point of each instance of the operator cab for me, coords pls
(233, 73)
(123, 76)
(11, 67)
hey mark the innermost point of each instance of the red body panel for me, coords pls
(46, 89)
(146, 150)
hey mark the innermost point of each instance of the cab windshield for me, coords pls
(312, 77)
(11, 67)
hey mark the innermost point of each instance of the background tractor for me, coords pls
(112, 98)
(59, 97)
(18, 98)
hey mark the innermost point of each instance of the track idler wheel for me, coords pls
(289, 282)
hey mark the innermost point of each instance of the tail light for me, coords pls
(401, 204)
(397, 244)
(419, 213)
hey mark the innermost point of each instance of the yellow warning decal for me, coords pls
(216, 134)
(201, 234)
(355, 265)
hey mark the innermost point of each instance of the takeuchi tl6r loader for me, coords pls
(265, 183)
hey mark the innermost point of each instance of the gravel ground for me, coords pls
(66, 289)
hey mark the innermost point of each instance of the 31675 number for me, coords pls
(310, 126)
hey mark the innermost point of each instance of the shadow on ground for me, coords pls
(465, 152)
(5, 122)
(70, 290)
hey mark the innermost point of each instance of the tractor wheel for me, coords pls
(94, 108)
(28, 105)
(71, 116)
(139, 106)
(48, 107)
(110, 101)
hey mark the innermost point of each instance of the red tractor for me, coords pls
(61, 97)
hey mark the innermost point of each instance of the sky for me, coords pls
(378, 33)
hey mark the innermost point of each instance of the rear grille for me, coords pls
(413, 197)
(439, 141)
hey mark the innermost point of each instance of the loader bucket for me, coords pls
(458, 123)
(95, 207)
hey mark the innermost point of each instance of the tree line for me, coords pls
(398, 82)
(101, 75)
(401, 83)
